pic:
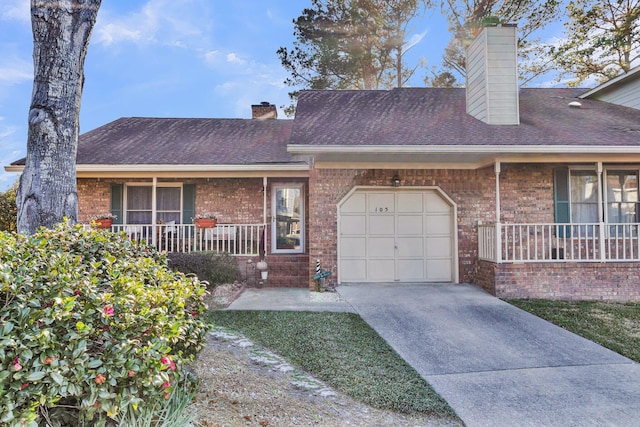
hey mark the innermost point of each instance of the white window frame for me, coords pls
(282, 185)
(154, 210)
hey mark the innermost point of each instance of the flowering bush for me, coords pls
(92, 325)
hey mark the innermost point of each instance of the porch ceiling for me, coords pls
(460, 157)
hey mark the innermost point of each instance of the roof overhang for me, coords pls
(458, 156)
(184, 171)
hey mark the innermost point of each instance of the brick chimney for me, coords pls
(492, 76)
(264, 111)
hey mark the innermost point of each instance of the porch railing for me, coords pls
(235, 239)
(587, 242)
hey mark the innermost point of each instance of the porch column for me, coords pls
(601, 233)
(264, 202)
(154, 236)
(498, 225)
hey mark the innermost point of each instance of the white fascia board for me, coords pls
(457, 149)
(179, 168)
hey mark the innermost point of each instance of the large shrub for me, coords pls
(215, 269)
(92, 325)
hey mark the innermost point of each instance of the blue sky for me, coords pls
(168, 58)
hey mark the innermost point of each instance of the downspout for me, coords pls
(497, 169)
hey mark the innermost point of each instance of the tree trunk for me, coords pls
(61, 32)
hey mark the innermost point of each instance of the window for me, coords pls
(139, 202)
(576, 196)
(288, 218)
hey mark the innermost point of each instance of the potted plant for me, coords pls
(103, 220)
(205, 220)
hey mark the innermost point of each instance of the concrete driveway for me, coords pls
(495, 364)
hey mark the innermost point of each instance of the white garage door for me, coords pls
(402, 235)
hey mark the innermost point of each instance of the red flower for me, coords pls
(100, 379)
(16, 364)
(166, 385)
(167, 361)
(108, 310)
(24, 386)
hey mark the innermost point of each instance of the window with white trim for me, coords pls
(138, 205)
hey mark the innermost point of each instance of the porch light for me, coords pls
(395, 181)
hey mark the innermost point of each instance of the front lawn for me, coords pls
(612, 325)
(343, 351)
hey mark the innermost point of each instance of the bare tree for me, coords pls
(61, 32)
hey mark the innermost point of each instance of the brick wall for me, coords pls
(566, 281)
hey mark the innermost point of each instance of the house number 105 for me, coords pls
(380, 209)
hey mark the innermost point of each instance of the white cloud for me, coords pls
(18, 10)
(233, 58)
(14, 70)
(165, 22)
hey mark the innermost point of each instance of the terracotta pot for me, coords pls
(103, 223)
(206, 222)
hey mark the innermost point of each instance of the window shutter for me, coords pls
(116, 202)
(188, 203)
(561, 200)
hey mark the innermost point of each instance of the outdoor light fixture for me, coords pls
(395, 181)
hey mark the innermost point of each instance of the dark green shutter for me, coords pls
(188, 203)
(116, 202)
(561, 198)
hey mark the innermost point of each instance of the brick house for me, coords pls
(525, 192)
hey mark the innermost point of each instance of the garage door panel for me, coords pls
(439, 270)
(353, 270)
(410, 225)
(355, 204)
(381, 202)
(354, 247)
(380, 247)
(381, 270)
(353, 225)
(438, 247)
(410, 202)
(411, 270)
(434, 203)
(411, 246)
(438, 224)
(382, 225)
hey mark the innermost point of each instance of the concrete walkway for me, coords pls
(495, 364)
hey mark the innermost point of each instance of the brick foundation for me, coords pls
(564, 281)
(285, 271)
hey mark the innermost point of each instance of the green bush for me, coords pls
(216, 269)
(8, 209)
(92, 325)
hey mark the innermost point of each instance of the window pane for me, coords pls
(622, 196)
(168, 199)
(584, 187)
(166, 217)
(139, 198)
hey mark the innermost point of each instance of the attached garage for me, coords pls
(397, 235)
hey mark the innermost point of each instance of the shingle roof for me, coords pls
(136, 140)
(431, 116)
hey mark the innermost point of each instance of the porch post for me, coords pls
(601, 233)
(498, 225)
(154, 233)
(264, 202)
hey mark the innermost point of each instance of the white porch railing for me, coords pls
(559, 242)
(235, 239)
